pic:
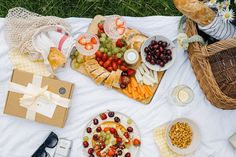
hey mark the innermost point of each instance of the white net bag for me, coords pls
(22, 24)
(22, 29)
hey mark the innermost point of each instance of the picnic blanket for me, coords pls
(20, 137)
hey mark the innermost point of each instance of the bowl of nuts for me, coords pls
(183, 136)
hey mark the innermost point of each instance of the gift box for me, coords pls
(38, 98)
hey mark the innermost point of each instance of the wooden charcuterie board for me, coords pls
(134, 40)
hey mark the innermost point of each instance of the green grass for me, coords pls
(90, 8)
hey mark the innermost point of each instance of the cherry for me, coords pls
(152, 62)
(111, 114)
(103, 116)
(119, 152)
(90, 150)
(146, 49)
(117, 119)
(118, 140)
(95, 137)
(128, 154)
(85, 144)
(130, 129)
(161, 49)
(159, 43)
(126, 134)
(168, 52)
(153, 42)
(116, 135)
(99, 129)
(123, 86)
(150, 47)
(95, 121)
(164, 44)
(156, 46)
(89, 130)
(121, 146)
(162, 64)
(124, 73)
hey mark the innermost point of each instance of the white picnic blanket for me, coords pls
(20, 138)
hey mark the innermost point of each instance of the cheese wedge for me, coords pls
(91, 68)
(102, 77)
(97, 72)
(109, 81)
(91, 62)
(116, 82)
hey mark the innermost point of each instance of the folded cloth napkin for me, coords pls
(219, 29)
(160, 139)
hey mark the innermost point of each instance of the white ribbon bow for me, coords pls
(38, 100)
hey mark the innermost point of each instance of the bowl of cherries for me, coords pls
(158, 53)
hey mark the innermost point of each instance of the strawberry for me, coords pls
(123, 68)
(99, 54)
(120, 43)
(126, 134)
(100, 31)
(88, 46)
(101, 25)
(82, 41)
(121, 30)
(109, 69)
(120, 62)
(111, 152)
(103, 116)
(125, 80)
(107, 64)
(119, 22)
(118, 140)
(136, 142)
(93, 40)
(114, 66)
(101, 63)
(131, 72)
(104, 57)
(112, 130)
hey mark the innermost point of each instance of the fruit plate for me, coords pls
(170, 46)
(108, 66)
(111, 133)
(195, 137)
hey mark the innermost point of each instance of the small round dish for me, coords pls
(195, 137)
(87, 44)
(170, 45)
(111, 133)
(131, 56)
(115, 26)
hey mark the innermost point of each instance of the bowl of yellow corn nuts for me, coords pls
(183, 136)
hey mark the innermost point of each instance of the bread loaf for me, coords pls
(196, 11)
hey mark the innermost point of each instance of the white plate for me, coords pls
(123, 121)
(171, 46)
(195, 140)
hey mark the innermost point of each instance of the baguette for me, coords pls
(196, 11)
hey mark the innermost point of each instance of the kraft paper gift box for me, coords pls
(38, 98)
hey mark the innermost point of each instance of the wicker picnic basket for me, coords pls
(215, 68)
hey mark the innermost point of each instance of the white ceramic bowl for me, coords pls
(171, 46)
(195, 140)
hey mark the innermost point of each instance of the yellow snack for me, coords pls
(56, 58)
